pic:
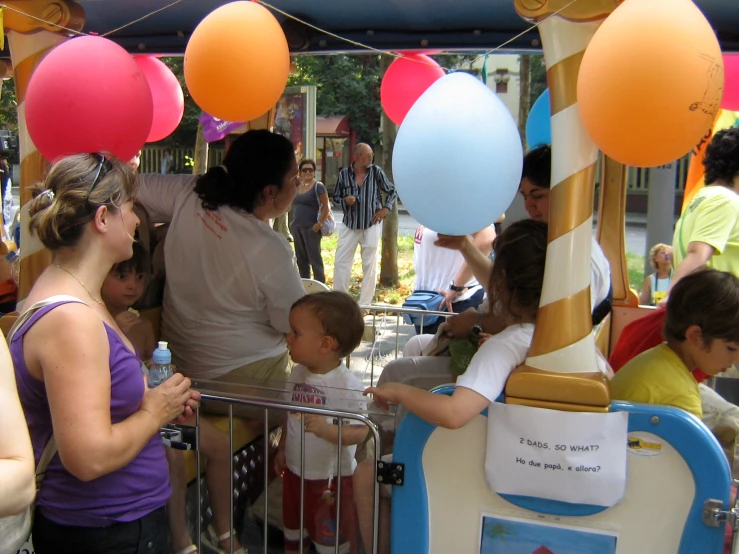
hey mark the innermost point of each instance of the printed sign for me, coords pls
(572, 457)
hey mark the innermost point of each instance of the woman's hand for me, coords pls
(452, 242)
(317, 227)
(170, 400)
(449, 297)
(350, 200)
(460, 326)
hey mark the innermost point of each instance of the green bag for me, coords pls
(462, 350)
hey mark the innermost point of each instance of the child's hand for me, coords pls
(483, 337)
(127, 321)
(280, 461)
(316, 424)
(385, 394)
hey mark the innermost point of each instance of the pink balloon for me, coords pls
(166, 93)
(731, 82)
(88, 95)
(405, 81)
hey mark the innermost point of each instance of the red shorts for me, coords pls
(319, 514)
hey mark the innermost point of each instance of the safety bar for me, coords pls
(272, 396)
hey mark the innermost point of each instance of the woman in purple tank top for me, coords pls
(79, 376)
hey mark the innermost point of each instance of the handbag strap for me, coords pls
(318, 198)
(51, 447)
(49, 451)
(23, 318)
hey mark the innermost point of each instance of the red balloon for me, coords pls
(405, 81)
(731, 82)
(88, 95)
(166, 93)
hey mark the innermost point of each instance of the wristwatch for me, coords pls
(455, 288)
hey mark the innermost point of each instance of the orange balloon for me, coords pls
(237, 62)
(651, 81)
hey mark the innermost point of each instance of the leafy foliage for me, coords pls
(345, 85)
(187, 130)
(538, 77)
(9, 113)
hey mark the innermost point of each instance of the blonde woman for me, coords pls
(657, 284)
(79, 377)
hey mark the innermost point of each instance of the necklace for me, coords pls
(81, 283)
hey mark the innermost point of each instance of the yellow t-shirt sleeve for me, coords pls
(714, 222)
(657, 377)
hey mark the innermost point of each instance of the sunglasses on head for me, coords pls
(102, 169)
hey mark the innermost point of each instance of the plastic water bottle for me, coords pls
(161, 365)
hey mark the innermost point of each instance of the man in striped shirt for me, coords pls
(359, 190)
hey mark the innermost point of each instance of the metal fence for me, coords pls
(151, 158)
(273, 400)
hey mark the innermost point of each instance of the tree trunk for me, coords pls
(389, 257)
(200, 156)
(524, 102)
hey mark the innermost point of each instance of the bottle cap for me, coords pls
(162, 355)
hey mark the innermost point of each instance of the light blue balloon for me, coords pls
(539, 123)
(457, 158)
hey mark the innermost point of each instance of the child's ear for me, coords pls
(694, 336)
(328, 344)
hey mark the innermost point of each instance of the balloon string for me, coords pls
(329, 33)
(522, 33)
(142, 18)
(334, 35)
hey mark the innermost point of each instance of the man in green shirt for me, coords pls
(708, 231)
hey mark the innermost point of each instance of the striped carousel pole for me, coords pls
(561, 370)
(30, 39)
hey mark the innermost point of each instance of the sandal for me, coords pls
(188, 550)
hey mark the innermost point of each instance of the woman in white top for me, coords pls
(231, 279)
(17, 465)
(657, 284)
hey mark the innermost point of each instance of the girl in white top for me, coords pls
(516, 281)
(515, 289)
(230, 278)
(657, 284)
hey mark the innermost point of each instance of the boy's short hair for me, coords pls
(339, 315)
(138, 263)
(707, 298)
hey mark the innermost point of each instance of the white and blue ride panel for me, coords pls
(674, 465)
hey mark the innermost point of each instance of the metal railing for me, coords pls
(274, 396)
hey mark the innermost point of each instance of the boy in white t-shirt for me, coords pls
(324, 328)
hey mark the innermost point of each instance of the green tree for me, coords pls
(345, 85)
(9, 113)
(187, 130)
(538, 77)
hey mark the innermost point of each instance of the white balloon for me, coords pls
(458, 157)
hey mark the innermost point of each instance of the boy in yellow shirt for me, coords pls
(701, 331)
